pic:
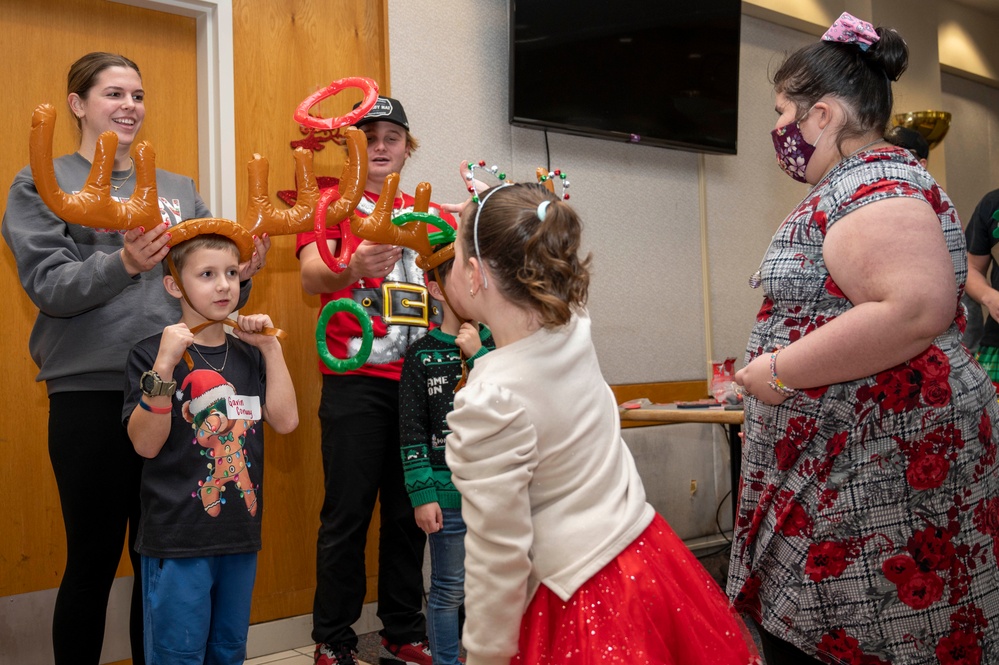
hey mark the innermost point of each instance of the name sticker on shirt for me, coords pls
(243, 407)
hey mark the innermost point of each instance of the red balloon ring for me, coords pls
(337, 263)
(367, 85)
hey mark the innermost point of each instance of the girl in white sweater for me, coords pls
(565, 560)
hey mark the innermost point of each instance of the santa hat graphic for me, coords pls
(207, 388)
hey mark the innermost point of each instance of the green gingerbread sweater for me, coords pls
(426, 395)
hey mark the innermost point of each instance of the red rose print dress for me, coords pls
(868, 522)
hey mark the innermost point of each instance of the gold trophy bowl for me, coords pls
(933, 125)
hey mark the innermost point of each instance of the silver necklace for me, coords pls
(124, 179)
(756, 279)
(224, 359)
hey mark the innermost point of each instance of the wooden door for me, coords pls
(284, 51)
(41, 39)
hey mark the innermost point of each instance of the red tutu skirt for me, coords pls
(655, 603)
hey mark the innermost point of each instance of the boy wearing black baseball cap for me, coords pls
(359, 417)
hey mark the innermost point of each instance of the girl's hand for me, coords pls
(755, 379)
(144, 250)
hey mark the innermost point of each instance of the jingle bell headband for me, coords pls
(545, 177)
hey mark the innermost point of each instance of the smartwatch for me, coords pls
(152, 385)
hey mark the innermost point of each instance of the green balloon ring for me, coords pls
(445, 234)
(342, 365)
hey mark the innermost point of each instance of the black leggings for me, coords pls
(97, 472)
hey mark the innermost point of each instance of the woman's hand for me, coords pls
(144, 250)
(261, 245)
(755, 379)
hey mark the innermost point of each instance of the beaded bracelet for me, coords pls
(775, 383)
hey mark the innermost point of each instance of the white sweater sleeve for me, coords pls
(492, 452)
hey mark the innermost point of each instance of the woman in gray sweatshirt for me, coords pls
(98, 292)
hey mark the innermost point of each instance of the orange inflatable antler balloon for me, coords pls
(378, 226)
(260, 216)
(355, 172)
(93, 205)
(353, 177)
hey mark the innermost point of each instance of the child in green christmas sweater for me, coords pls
(431, 372)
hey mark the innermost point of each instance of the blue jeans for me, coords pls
(197, 610)
(447, 587)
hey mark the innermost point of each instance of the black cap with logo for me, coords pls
(387, 109)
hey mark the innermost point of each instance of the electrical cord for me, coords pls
(548, 155)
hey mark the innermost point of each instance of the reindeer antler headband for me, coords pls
(94, 207)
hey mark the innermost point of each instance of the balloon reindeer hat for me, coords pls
(93, 206)
(336, 209)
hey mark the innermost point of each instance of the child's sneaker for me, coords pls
(414, 653)
(335, 655)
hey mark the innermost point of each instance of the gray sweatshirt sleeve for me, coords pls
(65, 269)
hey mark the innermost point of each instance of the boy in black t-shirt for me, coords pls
(194, 399)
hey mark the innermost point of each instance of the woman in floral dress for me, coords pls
(868, 521)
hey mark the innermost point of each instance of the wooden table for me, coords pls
(665, 414)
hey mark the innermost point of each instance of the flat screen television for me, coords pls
(652, 72)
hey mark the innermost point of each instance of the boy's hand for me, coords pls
(173, 344)
(429, 517)
(251, 329)
(467, 339)
(372, 259)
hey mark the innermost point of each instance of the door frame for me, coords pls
(216, 97)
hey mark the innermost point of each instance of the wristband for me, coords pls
(775, 383)
(155, 409)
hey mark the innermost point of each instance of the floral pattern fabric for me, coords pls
(868, 521)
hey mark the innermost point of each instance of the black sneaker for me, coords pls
(335, 655)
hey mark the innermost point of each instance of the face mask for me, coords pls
(793, 151)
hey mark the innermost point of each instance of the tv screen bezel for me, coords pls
(598, 133)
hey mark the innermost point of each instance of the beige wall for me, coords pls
(641, 204)
(968, 43)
